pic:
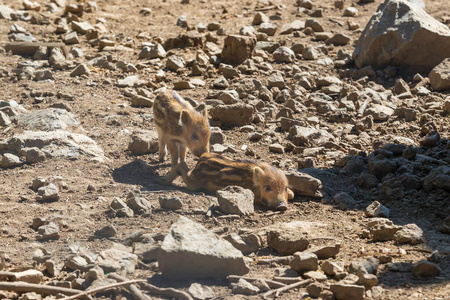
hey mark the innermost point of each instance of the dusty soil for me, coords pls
(108, 118)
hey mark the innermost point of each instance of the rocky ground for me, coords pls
(366, 150)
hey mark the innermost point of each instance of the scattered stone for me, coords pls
(236, 200)
(121, 209)
(246, 244)
(425, 268)
(284, 54)
(201, 292)
(438, 178)
(338, 39)
(151, 52)
(369, 265)
(287, 243)
(244, 287)
(29, 276)
(175, 62)
(49, 192)
(344, 200)
(382, 229)
(33, 155)
(237, 49)
(410, 233)
(324, 252)
(376, 209)
(138, 203)
(388, 40)
(350, 12)
(183, 253)
(347, 291)
(403, 267)
(146, 252)
(106, 232)
(238, 114)
(304, 184)
(81, 69)
(170, 202)
(128, 81)
(259, 18)
(331, 268)
(268, 28)
(144, 143)
(10, 160)
(81, 27)
(116, 260)
(49, 231)
(71, 38)
(304, 262)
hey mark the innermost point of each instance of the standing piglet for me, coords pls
(214, 172)
(179, 127)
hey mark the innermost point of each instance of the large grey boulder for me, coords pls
(440, 76)
(191, 251)
(47, 119)
(401, 33)
(57, 143)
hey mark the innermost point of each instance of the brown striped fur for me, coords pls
(179, 127)
(214, 172)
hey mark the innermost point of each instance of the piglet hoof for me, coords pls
(282, 206)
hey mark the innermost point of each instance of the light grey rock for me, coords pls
(338, 39)
(389, 40)
(71, 38)
(247, 243)
(191, 251)
(236, 200)
(379, 112)
(382, 229)
(33, 155)
(314, 24)
(10, 160)
(376, 209)
(4, 119)
(243, 287)
(238, 114)
(425, 268)
(267, 46)
(115, 260)
(58, 143)
(49, 231)
(201, 292)
(331, 268)
(229, 96)
(43, 75)
(128, 81)
(48, 119)
(182, 21)
(351, 12)
(294, 26)
(286, 242)
(220, 83)
(237, 48)
(439, 77)
(76, 262)
(268, 28)
(310, 53)
(120, 208)
(151, 52)
(106, 232)
(138, 203)
(217, 136)
(81, 69)
(284, 54)
(94, 274)
(146, 252)
(315, 275)
(347, 291)
(175, 62)
(143, 143)
(324, 252)
(304, 262)
(82, 27)
(304, 184)
(56, 56)
(410, 233)
(276, 80)
(259, 18)
(29, 276)
(170, 202)
(49, 192)
(5, 12)
(302, 136)
(344, 200)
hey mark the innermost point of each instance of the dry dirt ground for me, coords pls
(108, 118)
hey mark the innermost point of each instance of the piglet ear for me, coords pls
(258, 173)
(205, 112)
(185, 117)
